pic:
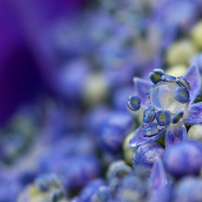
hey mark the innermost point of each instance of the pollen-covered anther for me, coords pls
(176, 117)
(182, 95)
(155, 76)
(150, 130)
(163, 118)
(168, 78)
(149, 115)
(134, 102)
(182, 82)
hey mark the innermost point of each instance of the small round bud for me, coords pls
(128, 152)
(163, 118)
(184, 158)
(143, 157)
(196, 34)
(158, 71)
(182, 82)
(134, 102)
(180, 52)
(155, 76)
(168, 78)
(177, 70)
(195, 132)
(118, 169)
(149, 115)
(182, 95)
(150, 130)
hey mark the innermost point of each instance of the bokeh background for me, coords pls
(66, 71)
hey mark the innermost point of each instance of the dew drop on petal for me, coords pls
(162, 98)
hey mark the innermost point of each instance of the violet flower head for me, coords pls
(168, 104)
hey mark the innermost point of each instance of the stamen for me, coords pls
(176, 117)
(182, 95)
(150, 130)
(158, 71)
(149, 115)
(182, 82)
(134, 102)
(155, 76)
(163, 118)
(168, 78)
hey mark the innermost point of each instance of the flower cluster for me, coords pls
(71, 143)
(169, 105)
(49, 187)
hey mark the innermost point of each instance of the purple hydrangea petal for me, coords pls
(139, 139)
(141, 87)
(194, 115)
(158, 177)
(193, 77)
(175, 134)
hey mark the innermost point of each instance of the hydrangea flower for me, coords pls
(168, 104)
(47, 187)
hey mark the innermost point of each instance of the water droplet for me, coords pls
(162, 97)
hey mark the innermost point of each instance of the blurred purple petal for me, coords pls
(141, 87)
(175, 134)
(194, 115)
(25, 53)
(158, 176)
(193, 76)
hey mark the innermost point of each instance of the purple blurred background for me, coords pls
(27, 60)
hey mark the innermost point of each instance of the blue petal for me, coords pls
(193, 77)
(139, 139)
(158, 176)
(194, 115)
(141, 88)
(175, 134)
